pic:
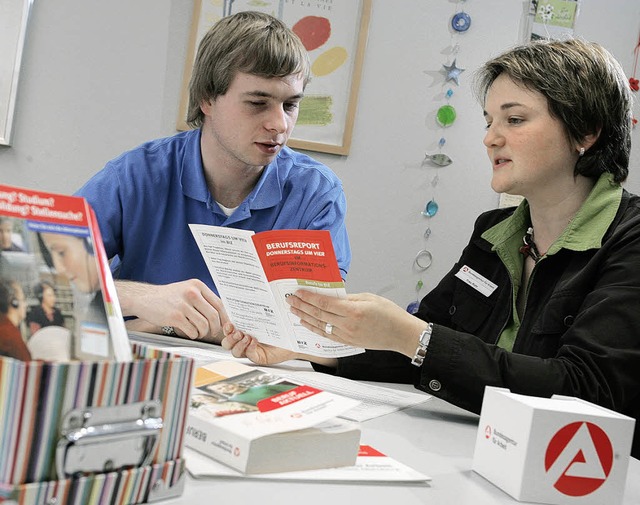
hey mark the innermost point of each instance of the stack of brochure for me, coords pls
(258, 422)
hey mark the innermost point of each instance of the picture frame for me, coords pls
(337, 36)
(14, 15)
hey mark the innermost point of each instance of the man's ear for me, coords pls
(205, 107)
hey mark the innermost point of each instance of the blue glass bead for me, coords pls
(431, 209)
(412, 308)
(461, 22)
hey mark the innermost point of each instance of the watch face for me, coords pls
(425, 336)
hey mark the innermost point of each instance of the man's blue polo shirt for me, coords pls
(146, 198)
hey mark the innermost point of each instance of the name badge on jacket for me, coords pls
(476, 281)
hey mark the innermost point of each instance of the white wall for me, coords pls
(101, 77)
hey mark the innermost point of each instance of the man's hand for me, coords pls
(190, 307)
(242, 345)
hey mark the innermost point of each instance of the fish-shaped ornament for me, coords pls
(439, 159)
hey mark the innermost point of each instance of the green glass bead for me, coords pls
(446, 115)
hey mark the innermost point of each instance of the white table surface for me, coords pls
(434, 437)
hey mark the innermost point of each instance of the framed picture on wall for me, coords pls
(13, 26)
(335, 35)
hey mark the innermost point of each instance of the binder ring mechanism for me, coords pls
(107, 439)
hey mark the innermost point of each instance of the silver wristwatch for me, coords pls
(423, 343)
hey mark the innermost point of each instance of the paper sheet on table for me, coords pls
(371, 467)
(375, 400)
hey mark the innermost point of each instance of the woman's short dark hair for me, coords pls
(39, 288)
(585, 88)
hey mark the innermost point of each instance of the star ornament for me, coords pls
(453, 72)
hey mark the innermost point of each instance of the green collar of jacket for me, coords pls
(585, 231)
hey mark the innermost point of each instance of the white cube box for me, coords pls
(559, 450)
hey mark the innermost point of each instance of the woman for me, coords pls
(46, 313)
(544, 298)
(12, 312)
(7, 234)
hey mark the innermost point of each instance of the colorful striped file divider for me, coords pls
(36, 395)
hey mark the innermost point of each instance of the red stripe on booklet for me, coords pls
(367, 450)
(42, 206)
(287, 398)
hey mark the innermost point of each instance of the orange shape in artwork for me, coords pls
(313, 31)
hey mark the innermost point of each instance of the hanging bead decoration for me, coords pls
(413, 307)
(445, 117)
(634, 83)
(453, 72)
(439, 159)
(461, 22)
(431, 209)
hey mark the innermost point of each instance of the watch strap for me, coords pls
(423, 344)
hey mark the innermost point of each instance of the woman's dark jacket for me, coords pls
(579, 336)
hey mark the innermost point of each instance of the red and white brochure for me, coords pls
(93, 326)
(256, 272)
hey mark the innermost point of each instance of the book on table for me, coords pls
(258, 422)
(256, 272)
(52, 249)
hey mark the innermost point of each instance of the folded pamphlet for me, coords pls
(256, 272)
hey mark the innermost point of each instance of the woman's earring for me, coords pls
(581, 153)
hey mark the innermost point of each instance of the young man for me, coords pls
(233, 170)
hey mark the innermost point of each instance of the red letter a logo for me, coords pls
(579, 458)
